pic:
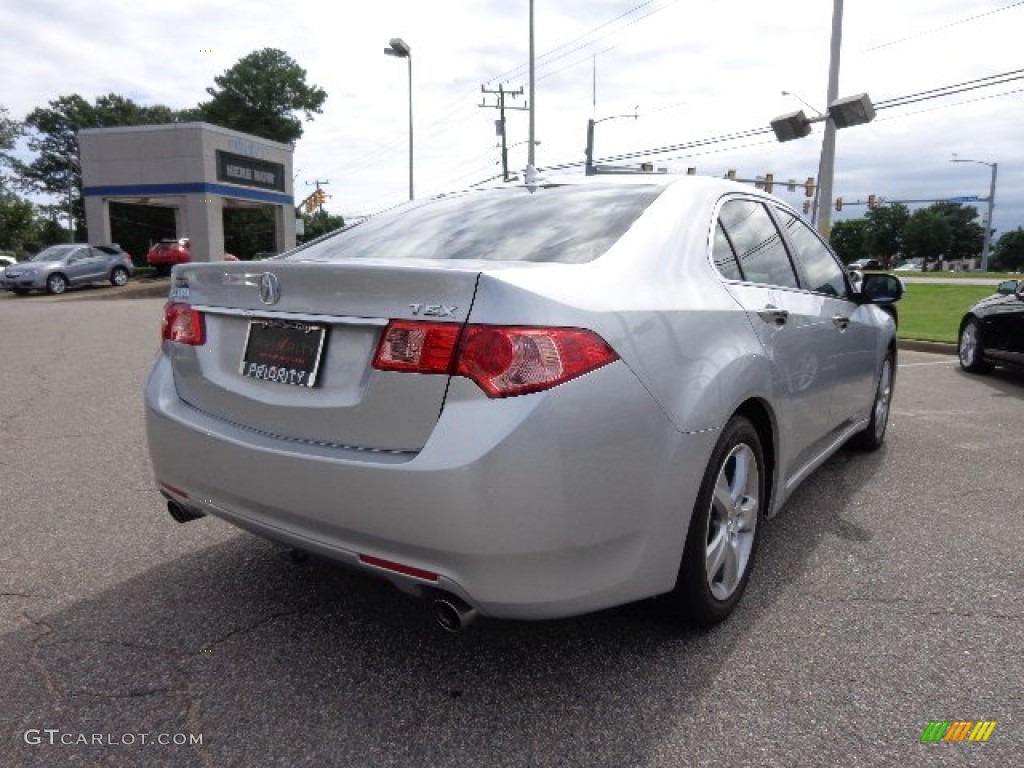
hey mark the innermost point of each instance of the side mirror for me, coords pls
(880, 288)
(1008, 287)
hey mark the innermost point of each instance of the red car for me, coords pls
(166, 253)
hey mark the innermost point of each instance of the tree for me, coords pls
(927, 236)
(320, 223)
(53, 136)
(10, 132)
(260, 95)
(884, 234)
(849, 239)
(1009, 251)
(966, 235)
(17, 223)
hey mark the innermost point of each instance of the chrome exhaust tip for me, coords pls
(453, 613)
(182, 514)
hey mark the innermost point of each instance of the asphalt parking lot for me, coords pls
(886, 595)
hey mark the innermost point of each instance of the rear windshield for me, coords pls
(565, 224)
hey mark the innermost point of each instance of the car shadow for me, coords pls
(1005, 382)
(269, 659)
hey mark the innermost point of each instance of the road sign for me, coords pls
(963, 199)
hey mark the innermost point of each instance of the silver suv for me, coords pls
(58, 267)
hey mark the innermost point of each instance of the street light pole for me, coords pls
(827, 164)
(400, 49)
(987, 246)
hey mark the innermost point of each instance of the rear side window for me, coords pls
(566, 224)
(756, 243)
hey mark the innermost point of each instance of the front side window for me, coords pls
(757, 243)
(819, 267)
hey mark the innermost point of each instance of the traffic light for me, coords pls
(872, 201)
(769, 179)
(309, 205)
(809, 187)
(839, 203)
(807, 206)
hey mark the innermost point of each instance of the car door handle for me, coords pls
(773, 315)
(840, 322)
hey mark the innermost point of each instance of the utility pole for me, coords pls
(501, 93)
(531, 158)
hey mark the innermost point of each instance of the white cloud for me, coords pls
(695, 70)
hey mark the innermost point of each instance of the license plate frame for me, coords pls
(283, 351)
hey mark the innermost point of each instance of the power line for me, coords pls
(896, 102)
(542, 60)
(938, 29)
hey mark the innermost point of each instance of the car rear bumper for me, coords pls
(531, 507)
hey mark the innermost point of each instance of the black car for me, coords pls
(992, 331)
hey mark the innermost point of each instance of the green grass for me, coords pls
(933, 312)
(963, 275)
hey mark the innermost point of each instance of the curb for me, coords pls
(935, 347)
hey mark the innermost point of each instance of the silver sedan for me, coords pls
(526, 402)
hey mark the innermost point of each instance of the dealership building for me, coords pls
(197, 169)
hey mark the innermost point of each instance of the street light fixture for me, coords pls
(398, 48)
(589, 166)
(991, 204)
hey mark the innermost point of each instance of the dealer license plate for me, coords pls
(283, 351)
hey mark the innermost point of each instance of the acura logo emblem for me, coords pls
(270, 288)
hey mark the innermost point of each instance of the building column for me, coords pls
(97, 219)
(284, 228)
(204, 215)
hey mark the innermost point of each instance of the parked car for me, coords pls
(862, 265)
(164, 254)
(6, 260)
(992, 331)
(59, 267)
(526, 401)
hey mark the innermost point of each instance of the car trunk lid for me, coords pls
(252, 313)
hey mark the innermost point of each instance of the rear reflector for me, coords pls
(182, 324)
(502, 360)
(406, 570)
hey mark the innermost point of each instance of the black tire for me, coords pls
(711, 583)
(56, 284)
(119, 276)
(970, 350)
(872, 436)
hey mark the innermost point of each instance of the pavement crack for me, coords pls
(251, 627)
(195, 726)
(35, 658)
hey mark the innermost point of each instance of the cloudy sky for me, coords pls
(692, 70)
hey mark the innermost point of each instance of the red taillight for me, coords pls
(417, 347)
(502, 360)
(182, 324)
(506, 361)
